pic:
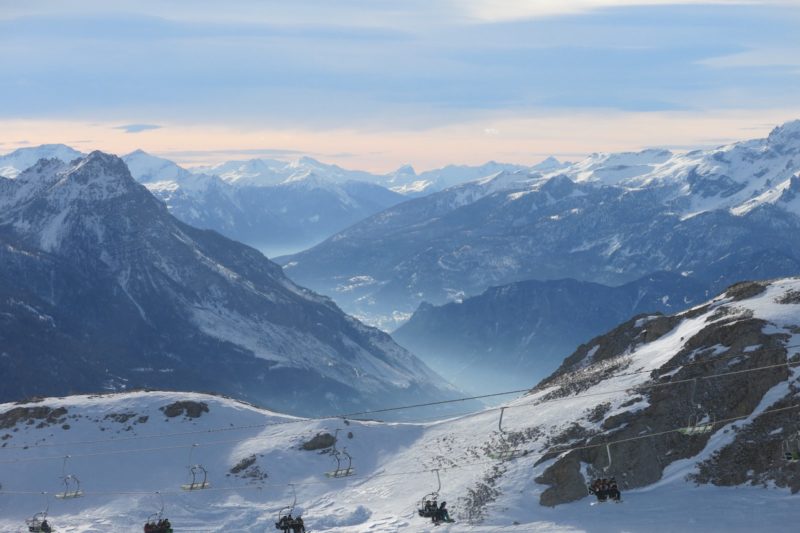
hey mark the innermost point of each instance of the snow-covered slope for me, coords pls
(103, 289)
(12, 164)
(629, 390)
(406, 181)
(739, 176)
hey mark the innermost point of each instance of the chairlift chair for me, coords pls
(156, 522)
(790, 448)
(426, 511)
(72, 485)
(695, 425)
(36, 524)
(341, 472)
(606, 472)
(197, 483)
(506, 451)
(285, 512)
(196, 470)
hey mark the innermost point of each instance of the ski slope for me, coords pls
(123, 458)
(120, 477)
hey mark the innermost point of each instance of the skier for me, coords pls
(613, 490)
(429, 509)
(284, 524)
(442, 515)
(600, 489)
(298, 526)
(45, 527)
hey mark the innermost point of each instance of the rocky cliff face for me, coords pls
(719, 366)
(101, 288)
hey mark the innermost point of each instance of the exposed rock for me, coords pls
(187, 408)
(789, 297)
(28, 415)
(320, 441)
(733, 340)
(745, 289)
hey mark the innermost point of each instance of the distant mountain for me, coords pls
(723, 215)
(265, 172)
(509, 335)
(12, 164)
(407, 182)
(273, 206)
(102, 289)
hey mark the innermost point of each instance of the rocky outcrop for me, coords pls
(707, 380)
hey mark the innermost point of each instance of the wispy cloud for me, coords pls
(137, 128)
(309, 69)
(252, 152)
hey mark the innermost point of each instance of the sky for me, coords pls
(374, 84)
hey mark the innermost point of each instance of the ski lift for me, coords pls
(72, 485)
(699, 422)
(285, 521)
(156, 523)
(790, 448)
(197, 471)
(341, 472)
(38, 523)
(607, 487)
(429, 503)
(506, 452)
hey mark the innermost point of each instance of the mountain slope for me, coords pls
(716, 214)
(629, 389)
(102, 288)
(513, 334)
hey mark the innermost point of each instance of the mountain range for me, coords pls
(718, 216)
(276, 206)
(103, 289)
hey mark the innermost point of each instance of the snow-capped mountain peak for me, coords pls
(12, 164)
(146, 167)
(786, 134)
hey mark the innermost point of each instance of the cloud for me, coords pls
(379, 65)
(254, 152)
(137, 128)
(492, 10)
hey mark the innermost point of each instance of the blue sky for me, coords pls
(279, 75)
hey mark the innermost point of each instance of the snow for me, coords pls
(14, 163)
(121, 468)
